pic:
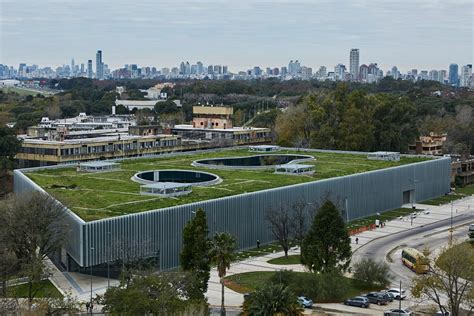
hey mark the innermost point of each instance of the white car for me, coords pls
(398, 312)
(305, 302)
(397, 294)
(471, 228)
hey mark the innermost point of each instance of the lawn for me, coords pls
(100, 195)
(293, 259)
(250, 281)
(20, 91)
(459, 193)
(43, 289)
(385, 216)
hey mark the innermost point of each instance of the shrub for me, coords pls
(372, 273)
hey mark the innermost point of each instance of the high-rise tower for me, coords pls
(89, 69)
(354, 64)
(99, 66)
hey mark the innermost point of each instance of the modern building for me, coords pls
(354, 64)
(99, 66)
(155, 232)
(453, 75)
(73, 147)
(466, 73)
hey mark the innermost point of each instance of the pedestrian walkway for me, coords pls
(428, 215)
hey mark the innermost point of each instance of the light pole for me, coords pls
(90, 262)
(400, 299)
(451, 229)
(108, 262)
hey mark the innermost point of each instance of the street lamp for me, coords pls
(108, 262)
(90, 262)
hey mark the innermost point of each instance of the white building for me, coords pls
(354, 63)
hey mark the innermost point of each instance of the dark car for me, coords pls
(378, 298)
(359, 301)
(389, 295)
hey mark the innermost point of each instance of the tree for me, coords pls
(155, 294)
(34, 229)
(9, 146)
(280, 221)
(300, 221)
(326, 246)
(450, 278)
(272, 299)
(194, 257)
(222, 253)
(372, 272)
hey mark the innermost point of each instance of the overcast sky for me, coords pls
(423, 34)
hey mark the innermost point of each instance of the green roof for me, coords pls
(95, 196)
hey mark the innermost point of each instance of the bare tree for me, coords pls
(301, 218)
(34, 229)
(450, 279)
(279, 220)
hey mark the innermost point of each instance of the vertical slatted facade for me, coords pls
(158, 232)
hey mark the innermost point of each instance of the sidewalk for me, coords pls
(430, 215)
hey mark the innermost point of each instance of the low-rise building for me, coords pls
(431, 144)
(214, 124)
(462, 171)
(37, 152)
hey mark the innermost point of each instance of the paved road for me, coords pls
(430, 235)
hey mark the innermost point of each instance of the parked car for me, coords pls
(398, 312)
(440, 313)
(389, 295)
(359, 301)
(471, 228)
(305, 302)
(397, 294)
(378, 298)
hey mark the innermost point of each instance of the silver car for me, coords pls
(398, 312)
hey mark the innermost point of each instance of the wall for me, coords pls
(158, 232)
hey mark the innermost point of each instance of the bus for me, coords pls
(415, 260)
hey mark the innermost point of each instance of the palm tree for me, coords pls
(222, 254)
(272, 299)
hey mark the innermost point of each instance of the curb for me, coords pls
(380, 237)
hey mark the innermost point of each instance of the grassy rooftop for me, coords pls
(95, 196)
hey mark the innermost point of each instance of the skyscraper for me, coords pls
(200, 67)
(99, 66)
(354, 63)
(73, 68)
(453, 75)
(89, 69)
(466, 73)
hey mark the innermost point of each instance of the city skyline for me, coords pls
(411, 34)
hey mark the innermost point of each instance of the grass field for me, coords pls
(249, 281)
(20, 91)
(459, 193)
(43, 289)
(293, 259)
(100, 195)
(385, 216)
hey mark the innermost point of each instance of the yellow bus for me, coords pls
(415, 260)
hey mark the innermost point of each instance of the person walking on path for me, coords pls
(357, 240)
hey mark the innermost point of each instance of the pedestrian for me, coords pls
(92, 307)
(88, 305)
(357, 240)
(258, 243)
